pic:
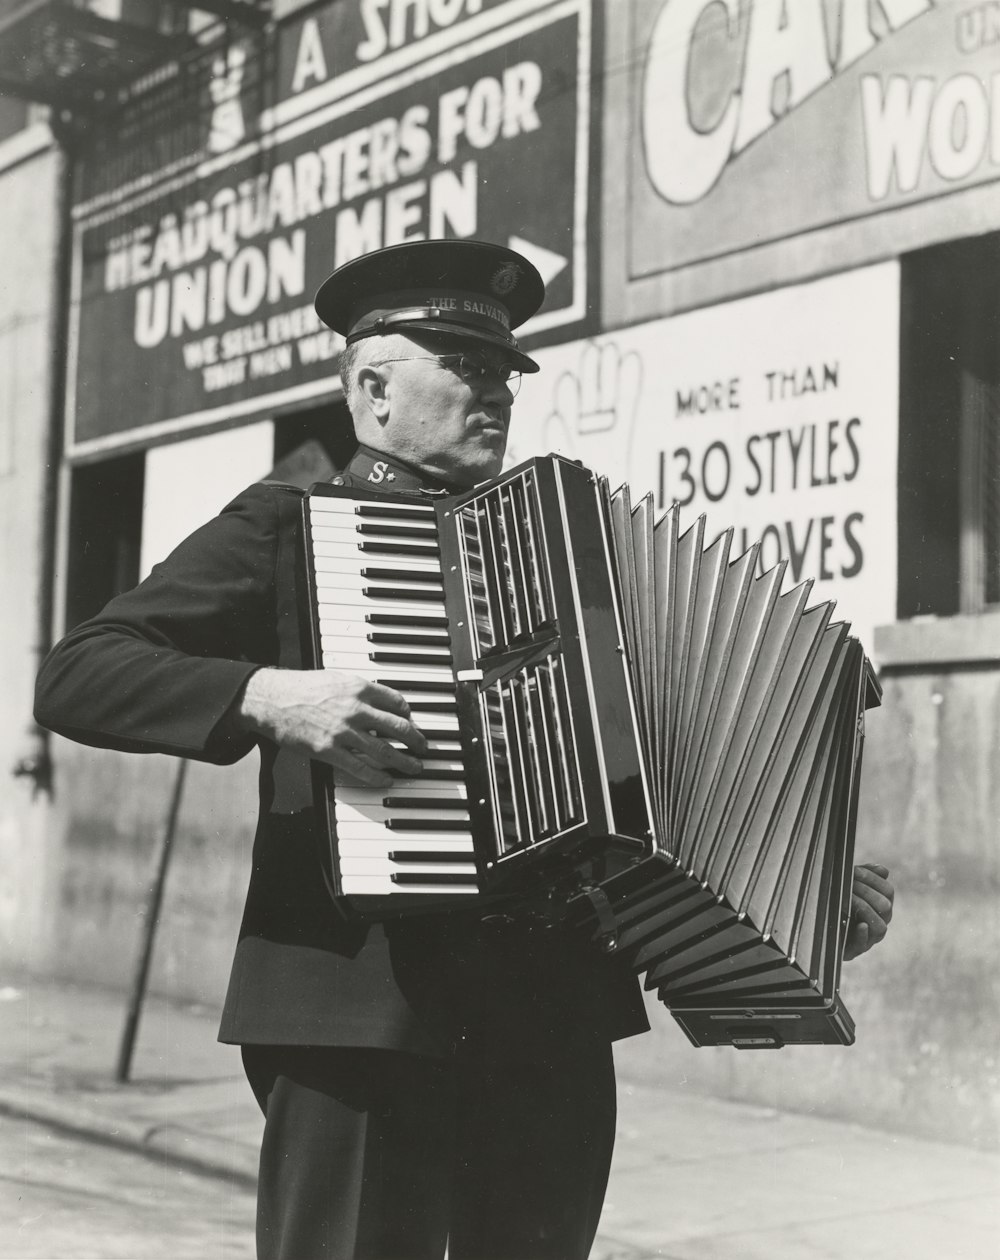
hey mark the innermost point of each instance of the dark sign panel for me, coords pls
(193, 295)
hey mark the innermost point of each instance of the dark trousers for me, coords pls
(374, 1155)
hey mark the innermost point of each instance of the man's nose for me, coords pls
(495, 387)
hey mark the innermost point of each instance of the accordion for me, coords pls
(628, 727)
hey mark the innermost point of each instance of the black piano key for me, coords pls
(427, 824)
(432, 775)
(436, 687)
(448, 737)
(409, 639)
(441, 754)
(428, 575)
(425, 802)
(428, 550)
(394, 593)
(421, 877)
(436, 706)
(377, 512)
(410, 658)
(396, 531)
(411, 623)
(428, 856)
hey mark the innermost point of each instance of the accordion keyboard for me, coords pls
(381, 613)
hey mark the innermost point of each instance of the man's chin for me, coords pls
(476, 472)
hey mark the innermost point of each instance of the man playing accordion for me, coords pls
(440, 1079)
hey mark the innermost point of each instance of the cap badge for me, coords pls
(505, 279)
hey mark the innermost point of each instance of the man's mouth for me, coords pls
(489, 420)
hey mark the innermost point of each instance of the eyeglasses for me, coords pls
(475, 372)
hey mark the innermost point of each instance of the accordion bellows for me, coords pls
(628, 723)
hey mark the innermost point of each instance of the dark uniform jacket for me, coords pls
(161, 669)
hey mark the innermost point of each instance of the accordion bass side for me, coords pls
(629, 727)
(751, 719)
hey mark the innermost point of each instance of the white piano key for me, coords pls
(370, 831)
(345, 557)
(382, 886)
(352, 644)
(433, 721)
(349, 550)
(372, 524)
(357, 628)
(404, 787)
(380, 814)
(358, 636)
(354, 847)
(401, 536)
(358, 579)
(414, 788)
(429, 599)
(362, 663)
(449, 743)
(367, 866)
(416, 674)
(334, 505)
(374, 596)
(347, 603)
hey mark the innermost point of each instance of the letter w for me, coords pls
(895, 130)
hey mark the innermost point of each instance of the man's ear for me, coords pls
(372, 387)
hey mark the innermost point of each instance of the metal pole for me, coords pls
(36, 763)
(152, 917)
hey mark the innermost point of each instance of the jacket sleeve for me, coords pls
(159, 669)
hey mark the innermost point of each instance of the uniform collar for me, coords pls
(379, 471)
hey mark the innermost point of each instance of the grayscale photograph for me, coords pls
(500, 664)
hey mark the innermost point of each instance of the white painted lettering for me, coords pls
(407, 22)
(896, 115)
(310, 60)
(521, 86)
(308, 186)
(789, 56)
(187, 302)
(286, 266)
(454, 202)
(403, 211)
(786, 46)
(357, 232)
(246, 283)
(152, 314)
(960, 127)
(683, 163)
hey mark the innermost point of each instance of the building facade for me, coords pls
(771, 239)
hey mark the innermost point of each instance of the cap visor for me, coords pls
(437, 329)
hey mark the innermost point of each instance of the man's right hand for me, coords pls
(334, 716)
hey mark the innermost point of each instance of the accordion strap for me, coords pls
(606, 935)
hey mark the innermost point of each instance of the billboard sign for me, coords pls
(192, 294)
(776, 414)
(755, 122)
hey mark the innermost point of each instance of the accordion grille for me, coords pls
(537, 789)
(508, 585)
(535, 779)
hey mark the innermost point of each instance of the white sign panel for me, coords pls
(776, 414)
(187, 483)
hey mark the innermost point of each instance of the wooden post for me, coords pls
(152, 917)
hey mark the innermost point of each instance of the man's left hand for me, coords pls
(871, 909)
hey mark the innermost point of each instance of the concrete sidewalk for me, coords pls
(693, 1178)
